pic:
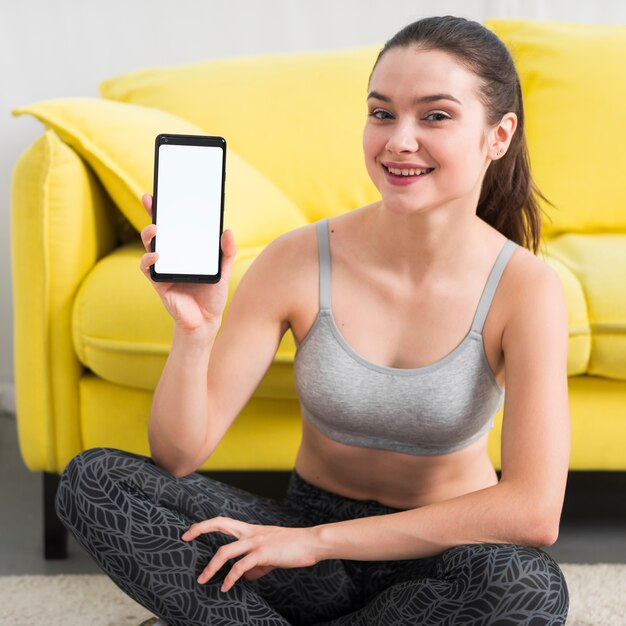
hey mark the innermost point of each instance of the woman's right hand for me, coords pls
(192, 305)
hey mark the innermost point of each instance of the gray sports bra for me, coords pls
(428, 410)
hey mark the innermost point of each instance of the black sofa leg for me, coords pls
(54, 533)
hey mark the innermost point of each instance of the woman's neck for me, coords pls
(425, 243)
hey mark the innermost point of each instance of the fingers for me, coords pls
(224, 554)
(147, 235)
(224, 525)
(238, 570)
(229, 248)
(227, 552)
(146, 200)
(146, 261)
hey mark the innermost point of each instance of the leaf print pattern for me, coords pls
(129, 515)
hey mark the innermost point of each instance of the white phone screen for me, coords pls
(188, 211)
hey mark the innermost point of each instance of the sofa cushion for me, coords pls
(298, 118)
(117, 141)
(574, 88)
(265, 435)
(579, 340)
(599, 264)
(122, 332)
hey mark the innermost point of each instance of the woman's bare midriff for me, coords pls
(397, 480)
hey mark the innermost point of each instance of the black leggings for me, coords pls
(129, 515)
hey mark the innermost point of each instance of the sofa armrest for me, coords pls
(62, 222)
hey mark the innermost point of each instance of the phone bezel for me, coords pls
(187, 140)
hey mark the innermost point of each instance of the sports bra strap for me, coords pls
(323, 245)
(486, 297)
(492, 284)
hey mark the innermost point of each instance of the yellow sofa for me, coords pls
(91, 336)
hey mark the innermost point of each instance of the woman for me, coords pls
(394, 513)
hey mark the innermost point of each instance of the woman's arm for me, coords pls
(209, 376)
(523, 508)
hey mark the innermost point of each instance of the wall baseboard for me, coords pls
(7, 397)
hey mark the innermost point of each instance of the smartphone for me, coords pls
(188, 207)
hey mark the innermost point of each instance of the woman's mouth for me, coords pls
(405, 176)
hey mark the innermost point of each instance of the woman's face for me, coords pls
(425, 116)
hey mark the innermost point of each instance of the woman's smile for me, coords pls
(405, 173)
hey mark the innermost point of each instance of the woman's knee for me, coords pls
(94, 461)
(516, 576)
(87, 475)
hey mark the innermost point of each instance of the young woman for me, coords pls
(410, 315)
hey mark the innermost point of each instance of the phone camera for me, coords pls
(165, 139)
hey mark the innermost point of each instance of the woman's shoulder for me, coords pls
(533, 291)
(286, 265)
(529, 272)
(293, 249)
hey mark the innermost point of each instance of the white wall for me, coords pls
(61, 48)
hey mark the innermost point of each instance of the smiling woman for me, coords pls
(411, 316)
(461, 115)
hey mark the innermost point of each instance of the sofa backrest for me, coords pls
(573, 80)
(298, 118)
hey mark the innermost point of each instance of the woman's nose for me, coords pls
(403, 138)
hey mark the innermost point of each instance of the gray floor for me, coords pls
(593, 528)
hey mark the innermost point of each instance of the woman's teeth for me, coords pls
(409, 172)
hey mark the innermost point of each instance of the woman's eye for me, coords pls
(380, 114)
(437, 116)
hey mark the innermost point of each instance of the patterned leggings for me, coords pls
(129, 515)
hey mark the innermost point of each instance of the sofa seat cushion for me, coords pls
(122, 332)
(265, 435)
(599, 263)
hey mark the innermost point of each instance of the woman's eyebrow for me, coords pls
(432, 98)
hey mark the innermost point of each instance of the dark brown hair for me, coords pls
(509, 198)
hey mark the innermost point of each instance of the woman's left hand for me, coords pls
(262, 548)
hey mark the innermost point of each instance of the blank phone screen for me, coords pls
(188, 209)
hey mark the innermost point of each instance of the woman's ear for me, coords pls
(501, 135)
